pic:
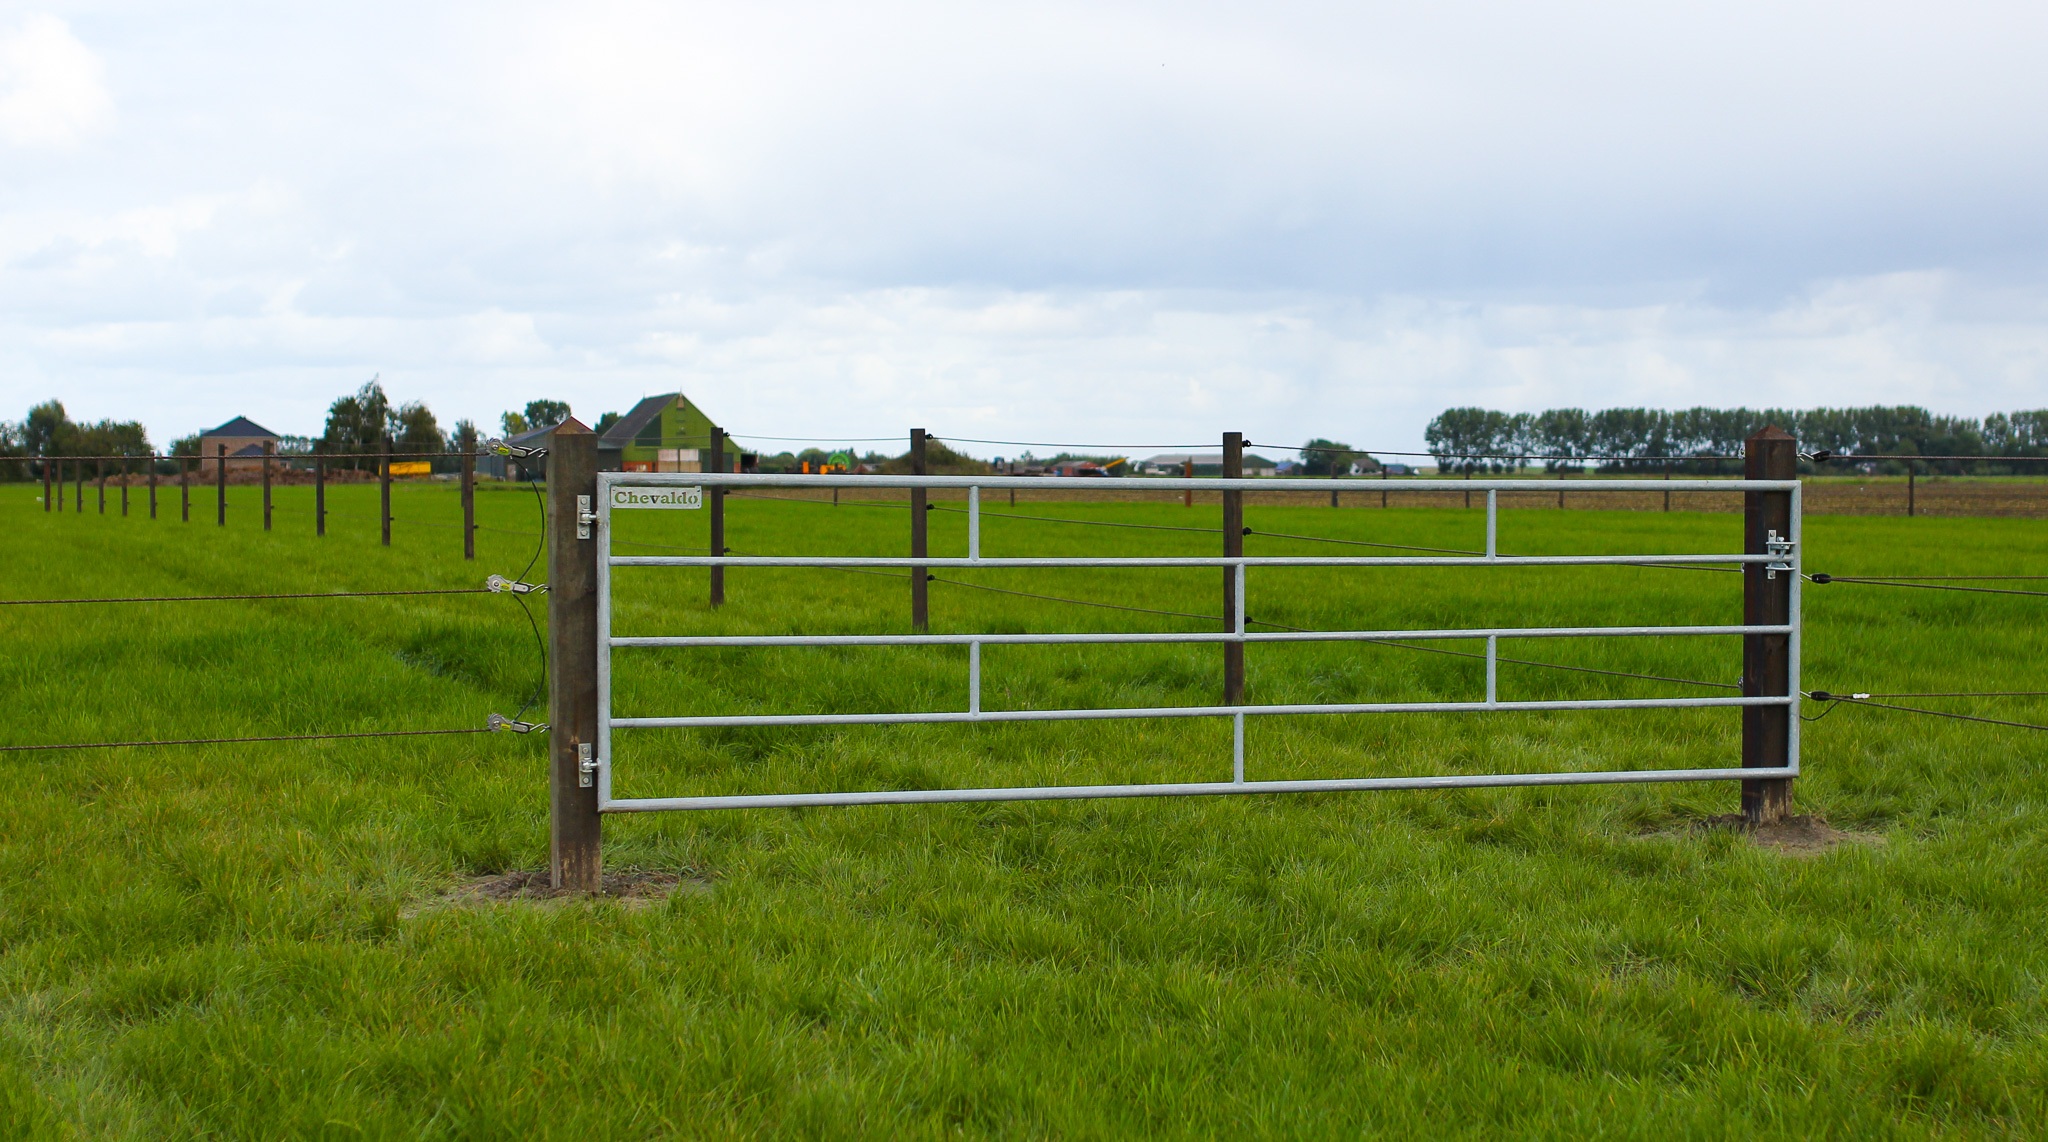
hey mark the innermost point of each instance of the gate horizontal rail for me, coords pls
(1197, 636)
(1783, 558)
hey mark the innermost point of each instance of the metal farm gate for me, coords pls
(585, 726)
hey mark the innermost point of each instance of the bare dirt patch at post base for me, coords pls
(634, 889)
(1803, 835)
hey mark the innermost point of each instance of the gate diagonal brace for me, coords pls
(502, 585)
(498, 722)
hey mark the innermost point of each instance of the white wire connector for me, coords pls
(498, 722)
(503, 585)
(496, 447)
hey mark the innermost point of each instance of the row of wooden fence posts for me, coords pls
(53, 490)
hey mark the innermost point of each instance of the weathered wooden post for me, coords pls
(1384, 477)
(78, 486)
(384, 488)
(1912, 477)
(1233, 546)
(126, 467)
(1187, 472)
(920, 617)
(220, 485)
(99, 471)
(469, 500)
(47, 507)
(269, 450)
(576, 830)
(319, 495)
(152, 485)
(184, 490)
(1771, 454)
(715, 462)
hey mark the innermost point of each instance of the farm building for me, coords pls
(244, 440)
(661, 434)
(1206, 464)
(665, 433)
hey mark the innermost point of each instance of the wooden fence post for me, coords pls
(715, 462)
(184, 490)
(920, 617)
(1187, 472)
(384, 487)
(1771, 454)
(269, 450)
(152, 485)
(1233, 545)
(46, 487)
(1384, 477)
(575, 829)
(220, 485)
(319, 495)
(1912, 476)
(99, 471)
(469, 501)
(126, 466)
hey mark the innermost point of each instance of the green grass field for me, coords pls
(255, 941)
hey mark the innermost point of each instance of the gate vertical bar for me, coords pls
(469, 501)
(220, 485)
(575, 829)
(319, 495)
(974, 523)
(1492, 669)
(1233, 547)
(1771, 454)
(269, 451)
(384, 488)
(152, 485)
(1492, 522)
(716, 456)
(920, 617)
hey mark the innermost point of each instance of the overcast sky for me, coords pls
(1127, 224)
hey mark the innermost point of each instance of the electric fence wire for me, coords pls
(214, 598)
(1825, 579)
(265, 738)
(1835, 700)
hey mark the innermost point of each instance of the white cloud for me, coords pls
(52, 92)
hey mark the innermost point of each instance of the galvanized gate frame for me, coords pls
(1783, 558)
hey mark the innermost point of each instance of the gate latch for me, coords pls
(1781, 552)
(586, 765)
(585, 517)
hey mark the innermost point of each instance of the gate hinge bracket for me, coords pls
(1781, 552)
(501, 722)
(585, 517)
(586, 765)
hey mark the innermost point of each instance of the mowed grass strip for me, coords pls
(254, 941)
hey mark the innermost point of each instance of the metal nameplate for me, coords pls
(657, 497)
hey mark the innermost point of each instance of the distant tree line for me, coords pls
(1644, 439)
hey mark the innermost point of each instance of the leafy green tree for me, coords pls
(543, 413)
(47, 431)
(1320, 457)
(513, 423)
(464, 436)
(358, 424)
(605, 422)
(415, 430)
